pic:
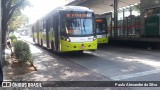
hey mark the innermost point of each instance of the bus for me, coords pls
(65, 29)
(101, 29)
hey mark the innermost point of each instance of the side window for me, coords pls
(48, 24)
(51, 23)
(55, 23)
(64, 24)
(44, 25)
(41, 26)
(33, 29)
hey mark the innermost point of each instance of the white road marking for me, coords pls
(122, 77)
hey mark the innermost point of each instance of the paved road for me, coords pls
(121, 64)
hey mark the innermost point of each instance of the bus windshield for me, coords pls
(78, 26)
(101, 27)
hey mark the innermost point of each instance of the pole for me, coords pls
(115, 17)
(1, 70)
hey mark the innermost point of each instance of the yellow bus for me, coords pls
(67, 28)
(101, 29)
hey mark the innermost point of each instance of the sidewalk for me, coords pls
(7, 67)
(53, 68)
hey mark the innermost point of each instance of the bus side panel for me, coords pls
(51, 33)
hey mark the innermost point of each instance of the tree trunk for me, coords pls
(4, 30)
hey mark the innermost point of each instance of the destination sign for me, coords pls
(79, 15)
(99, 20)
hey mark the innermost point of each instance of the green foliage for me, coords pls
(13, 38)
(10, 9)
(17, 21)
(22, 52)
(138, 8)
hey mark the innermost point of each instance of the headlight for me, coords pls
(68, 40)
(104, 35)
(94, 38)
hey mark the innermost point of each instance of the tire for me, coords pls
(52, 46)
(41, 42)
(33, 39)
(1, 75)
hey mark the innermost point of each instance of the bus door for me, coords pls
(56, 34)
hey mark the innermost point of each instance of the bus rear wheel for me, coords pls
(52, 46)
(33, 39)
(41, 42)
(53, 49)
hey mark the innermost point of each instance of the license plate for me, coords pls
(82, 47)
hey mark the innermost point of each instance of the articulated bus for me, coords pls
(67, 28)
(101, 29)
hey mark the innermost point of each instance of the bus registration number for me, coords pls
(82, 47)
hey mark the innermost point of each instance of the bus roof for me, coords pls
(67, 8)
(73, 8)
(70, 8)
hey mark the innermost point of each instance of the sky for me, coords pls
(42, 7)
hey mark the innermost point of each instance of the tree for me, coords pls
(9, 8)
(17, 21)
